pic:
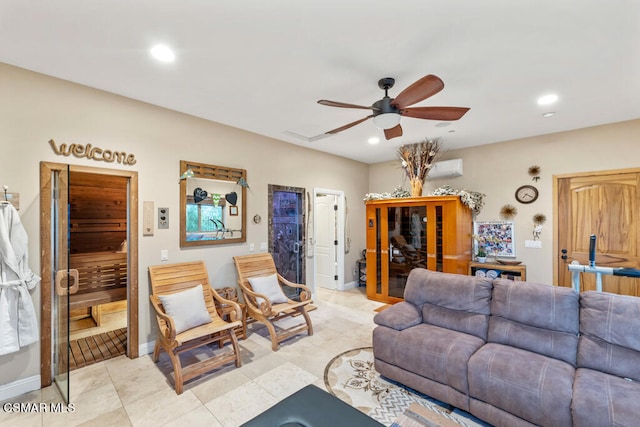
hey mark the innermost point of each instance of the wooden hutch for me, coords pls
(432, 232)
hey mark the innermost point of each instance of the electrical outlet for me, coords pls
(263, 246)
(251, 247)
(164, 255)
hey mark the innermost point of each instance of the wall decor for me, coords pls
(497, 237)
(526, 194)
(538, 220)
(508, 212)
(204, 217)
(257, 218)
(199, 195)
(93, 153)
(534, 172)
(231, 197)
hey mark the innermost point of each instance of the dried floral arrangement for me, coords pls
(397, 193)
(417, 160)
(473, 199)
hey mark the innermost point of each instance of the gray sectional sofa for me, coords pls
(515, 353)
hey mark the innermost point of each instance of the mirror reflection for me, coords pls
(212, 204)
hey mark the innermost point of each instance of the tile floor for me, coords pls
(124, 392)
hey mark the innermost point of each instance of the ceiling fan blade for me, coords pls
(345, 127)
(394, 132)
(435, 113)
(344, 105)
(422, 89)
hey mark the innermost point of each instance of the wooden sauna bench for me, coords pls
(102, 278)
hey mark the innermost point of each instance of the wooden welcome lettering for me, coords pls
(94, 153)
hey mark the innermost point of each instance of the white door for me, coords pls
(326, 240)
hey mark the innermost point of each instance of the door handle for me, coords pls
(71, 275)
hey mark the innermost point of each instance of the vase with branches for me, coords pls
(417, 160)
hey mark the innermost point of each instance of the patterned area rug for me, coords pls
(351, 377)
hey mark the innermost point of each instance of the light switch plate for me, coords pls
(535, 244)
(163, 218)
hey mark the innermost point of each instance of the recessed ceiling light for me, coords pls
(549, 114)
(443, 124)
(163, 53)
(373, 140)
(547, 99)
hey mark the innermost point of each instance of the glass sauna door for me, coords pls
(407, 243)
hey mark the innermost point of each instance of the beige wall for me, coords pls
(498, 169)
(36, 108)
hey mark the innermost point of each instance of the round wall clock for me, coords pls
(527, 194)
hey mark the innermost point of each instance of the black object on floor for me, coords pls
(312, 407)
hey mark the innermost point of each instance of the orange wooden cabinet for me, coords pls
(432, 232)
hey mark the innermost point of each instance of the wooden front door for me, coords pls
(606, 204)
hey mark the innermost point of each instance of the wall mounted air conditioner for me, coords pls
(446, 169)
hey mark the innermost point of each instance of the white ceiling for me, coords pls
(261, 65)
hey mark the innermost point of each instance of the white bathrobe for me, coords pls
(18, 320)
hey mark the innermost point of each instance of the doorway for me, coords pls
(329, 244)
(89, 241)
(287, 234)
(606, 204)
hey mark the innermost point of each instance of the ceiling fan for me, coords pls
(387, 111)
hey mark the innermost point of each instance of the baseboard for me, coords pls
(146, 348)
(19, 387)
(349, 285)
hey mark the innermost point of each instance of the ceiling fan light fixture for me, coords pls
(387, 120)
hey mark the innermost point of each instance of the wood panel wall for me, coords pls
(98, 212)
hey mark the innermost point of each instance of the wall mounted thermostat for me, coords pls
(163, 218)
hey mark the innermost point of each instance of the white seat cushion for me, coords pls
(187, 308)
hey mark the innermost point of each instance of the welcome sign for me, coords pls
(94, 153)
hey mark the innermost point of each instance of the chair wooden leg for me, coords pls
(156, 351)
(236, 348)
(177, 371)
(307, 319)
(274, 336)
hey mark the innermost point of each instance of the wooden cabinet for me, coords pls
(432, 232)
(512, 272)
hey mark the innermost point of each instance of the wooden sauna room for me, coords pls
(98, 251)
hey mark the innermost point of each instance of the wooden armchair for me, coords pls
(260, 307)
(166, 281)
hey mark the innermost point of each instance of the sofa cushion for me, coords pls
(529, 385)
(399, 316)
(453, 301)
(610, 337)
(601, 399)
(535, 317)
(429, 351)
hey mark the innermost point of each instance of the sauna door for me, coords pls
(63, 280)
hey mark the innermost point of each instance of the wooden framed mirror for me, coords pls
(212, 204)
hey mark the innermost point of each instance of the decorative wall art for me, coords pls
(497, 237)
(233, 210)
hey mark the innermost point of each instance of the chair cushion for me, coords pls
(186, 308)
(268, 286)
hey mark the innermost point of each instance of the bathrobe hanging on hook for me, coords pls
(18, 320)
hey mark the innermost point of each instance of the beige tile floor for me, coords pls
(124, 392)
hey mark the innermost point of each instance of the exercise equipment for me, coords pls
(576, 268)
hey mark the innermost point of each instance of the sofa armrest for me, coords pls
(400, 316)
